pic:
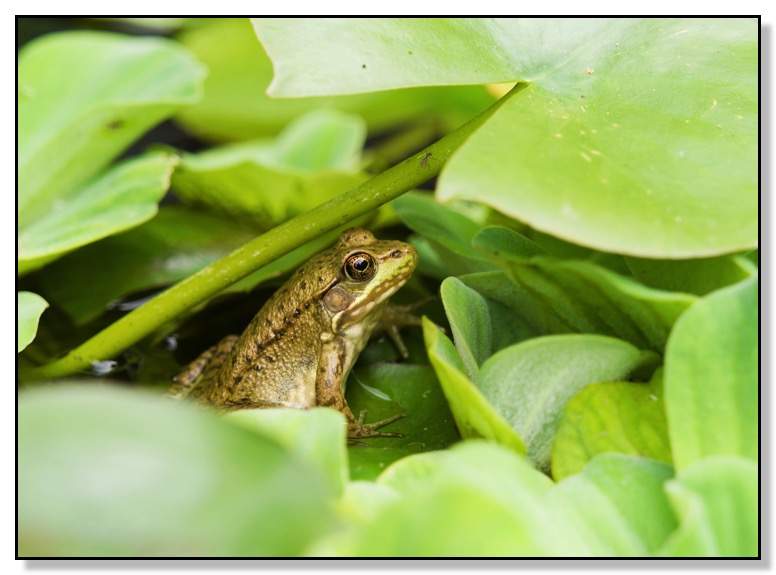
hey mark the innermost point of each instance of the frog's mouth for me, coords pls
(351, 311)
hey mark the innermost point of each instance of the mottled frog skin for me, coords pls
(300, 347)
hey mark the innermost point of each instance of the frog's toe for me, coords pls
(359, 429)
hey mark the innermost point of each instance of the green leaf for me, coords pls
(497, 240)
(618, 417)
(173, 245)
(235, 105)
(588, 111)
(469, 319)
(524, 308)
(30, 307)
(676, 154)
(317, 436)
(385, 389)
(113, 472)
(158, 24)
(711, 377)
(585, 297)
(474, 416)
(716, 500)
(86, 97)
(618, 505)
(700, 276)
(393, 53)
(442, 227)
(444, 494)
(122, 198)
(270, 182)
(360, 504)
(348, 206)
(530, 383)
(176, 243)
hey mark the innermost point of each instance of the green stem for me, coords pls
(263, 250)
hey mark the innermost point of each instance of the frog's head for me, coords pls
(370, 271)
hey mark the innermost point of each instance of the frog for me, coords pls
(300, 347)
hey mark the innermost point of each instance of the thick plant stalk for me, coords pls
(263, 250)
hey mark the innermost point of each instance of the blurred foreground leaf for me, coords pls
(111, 472)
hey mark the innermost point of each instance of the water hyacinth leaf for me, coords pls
(474, 415)
(320, 140)
(587, 298)
(159, 24)
(114, 472)
(439, 262)
(474, 483)
(423, 215)
(176, 243)
(699, 276)
(579, 134)
(86, 96)
(618, 505)
(444, 236)
(711, 377)
(495, 240)
(530, 383)
(123, 197)
(469, 319)
(173, 245)
(361, 503)
(621, 417)
(268, 182)
(534, 318)
(317, 436)
(30, 307)
(716, 500)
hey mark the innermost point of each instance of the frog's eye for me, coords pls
(359, 267)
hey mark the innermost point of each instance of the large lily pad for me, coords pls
(636, 136)
(235, 105)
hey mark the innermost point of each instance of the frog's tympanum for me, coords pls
(298, 350)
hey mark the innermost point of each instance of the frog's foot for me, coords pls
(359, 429)
(208, 363)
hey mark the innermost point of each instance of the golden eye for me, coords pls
(359, 266)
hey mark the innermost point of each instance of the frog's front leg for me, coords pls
(396, 317)
(208, 362)
(329, 384)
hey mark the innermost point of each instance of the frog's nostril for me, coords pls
(395, 253)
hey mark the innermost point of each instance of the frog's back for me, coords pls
(274, 361)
